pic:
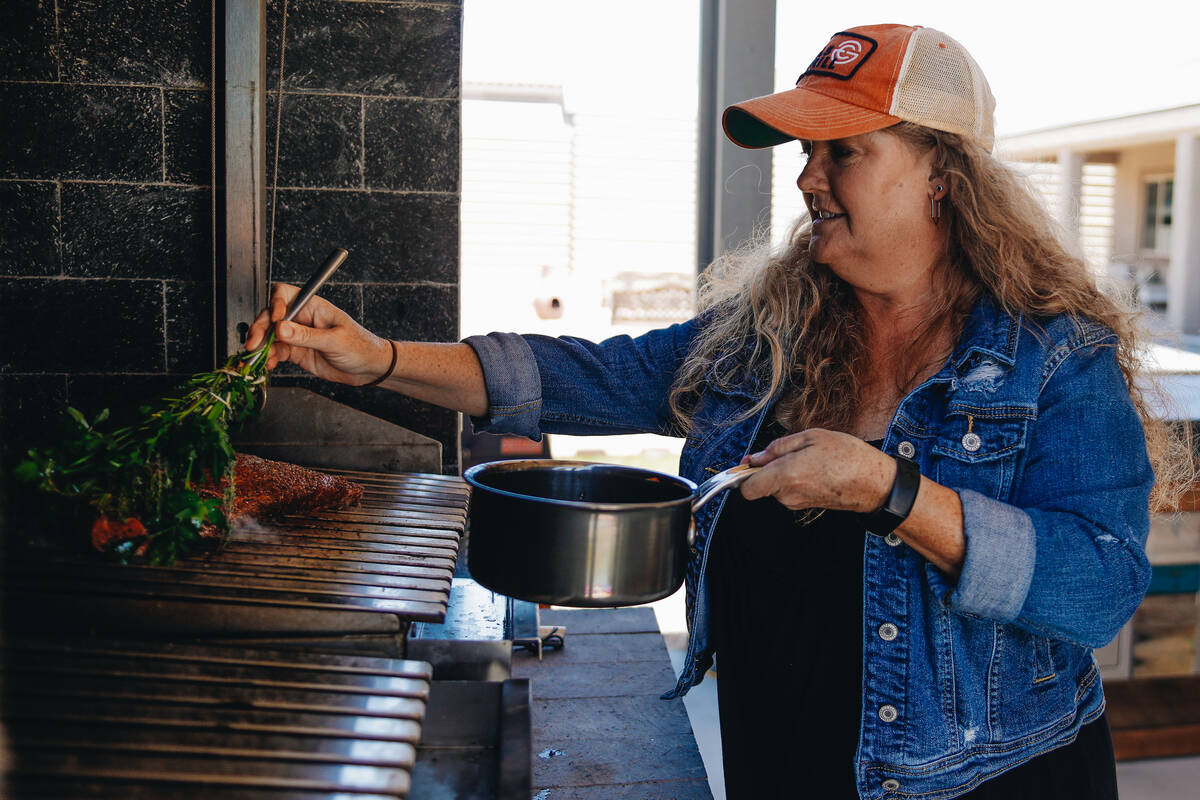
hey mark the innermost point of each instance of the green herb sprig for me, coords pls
(148, 470)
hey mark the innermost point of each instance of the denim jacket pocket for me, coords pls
(1033, 682)
(979, 447)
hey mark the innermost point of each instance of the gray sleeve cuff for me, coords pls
(514, 385)
(1001, 549)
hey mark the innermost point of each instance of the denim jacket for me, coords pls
(1029, 422)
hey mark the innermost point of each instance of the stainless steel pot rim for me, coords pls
(529, 464)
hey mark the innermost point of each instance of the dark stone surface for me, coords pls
(428, 313)
(136, 41)
(603, 620)
(118, 230)
(94, 132)
(659, 790)
(599, 727)
(367, 48)
(392, 238)
(27, 40)
(187, 136)
(412, 145)
(642, 716)
(605, 648)
(619, 679)
(69, 325)
(320, 143)
(29, 229)
(619, 760)
(31, 408)
(189, 326)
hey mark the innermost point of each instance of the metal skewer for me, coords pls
(335, 260)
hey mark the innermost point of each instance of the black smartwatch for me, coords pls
(900, 501)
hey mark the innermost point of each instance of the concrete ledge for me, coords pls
(600, 731)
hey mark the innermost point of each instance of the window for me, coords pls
(1156, 214)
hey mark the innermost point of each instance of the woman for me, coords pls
(957, 464)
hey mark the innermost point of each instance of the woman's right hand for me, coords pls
(322, 340)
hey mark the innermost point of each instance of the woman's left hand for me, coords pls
(818, 468)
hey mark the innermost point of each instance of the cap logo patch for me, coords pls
(842, 57)
(846, 52)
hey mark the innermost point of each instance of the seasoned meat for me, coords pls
(107, 531)
(264, 488)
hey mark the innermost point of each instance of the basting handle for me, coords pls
(335, 260)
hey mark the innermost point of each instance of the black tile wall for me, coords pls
(106, 196)
(65, 325)
(187, 136)
(33, 406)
(412, 312)
(384, 49)
(414, 145)
(320, 140)
(29, 228)
(392, 238)
(27, 40)
(105, 204)
(149, 231)
(133, 41)
(189, 319)
(92, 132)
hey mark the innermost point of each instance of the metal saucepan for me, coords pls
(574, 533)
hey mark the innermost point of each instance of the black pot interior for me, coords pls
(588, 483)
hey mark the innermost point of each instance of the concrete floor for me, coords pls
(1152, 779)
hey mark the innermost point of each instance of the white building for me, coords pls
(1129, 188)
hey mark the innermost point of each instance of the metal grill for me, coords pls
(112, 719)
(369, 569)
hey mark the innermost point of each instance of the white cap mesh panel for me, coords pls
(942, 87)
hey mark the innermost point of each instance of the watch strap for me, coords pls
(900, 500)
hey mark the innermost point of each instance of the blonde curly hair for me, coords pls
(807, 332)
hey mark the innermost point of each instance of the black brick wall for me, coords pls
(106, 251)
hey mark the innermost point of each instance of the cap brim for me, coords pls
(798, 113)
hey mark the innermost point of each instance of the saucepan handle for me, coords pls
(718, 483)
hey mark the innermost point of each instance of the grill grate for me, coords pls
(113, 719)
(369, 569)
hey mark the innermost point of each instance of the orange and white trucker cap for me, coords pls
(868, 78)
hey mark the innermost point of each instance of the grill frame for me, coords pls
(238, 720)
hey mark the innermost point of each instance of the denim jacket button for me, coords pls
(892, 540)
(890, 785)
(888, 713)
(906, 449)
(888, 631)
(971, 442)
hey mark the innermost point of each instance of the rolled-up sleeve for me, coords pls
(514, 387)
(1001, 553)
(544, 384)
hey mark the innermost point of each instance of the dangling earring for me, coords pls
(935, 206)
